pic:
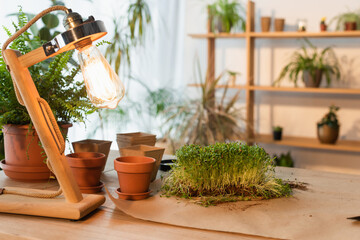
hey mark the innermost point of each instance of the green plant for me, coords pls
(129, 32)
(55, 82)
(343, 18)
(206, 120)
(223, 172)
(227, 14)
(277, 129)
(330, 118)
(284, 160)
(311, 60)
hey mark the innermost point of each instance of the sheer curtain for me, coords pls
(158, 64)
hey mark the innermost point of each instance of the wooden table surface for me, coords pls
(107, 222)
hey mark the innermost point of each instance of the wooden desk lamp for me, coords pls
(104, 89)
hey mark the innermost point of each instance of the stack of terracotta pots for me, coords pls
(138, 164)
(88, 162)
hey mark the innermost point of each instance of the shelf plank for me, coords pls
(339, 34)
(307, 90)
(353, 91)
(218, 35)
(220, 86)
(313, 143)
(305, 34)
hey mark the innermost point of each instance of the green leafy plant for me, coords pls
(284, 160)
(330, 118)
(223, 172)
(277, 129)
(55, 82)
(311, 60)
(129, 32)
(343, 18)
(226, 14)
(206, 120)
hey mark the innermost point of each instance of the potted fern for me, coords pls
(312, 65)
(328, 128)
(55, 81)
(226, 15)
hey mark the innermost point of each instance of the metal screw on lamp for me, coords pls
(104, 89)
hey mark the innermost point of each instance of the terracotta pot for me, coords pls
(311, 82)
(23, 154)
(350, 26)
(134, 173)
(327, 134)
(147, 151)
(87, 168)
(279, 24)
(135, 138)
(265, 24)
(323, 27)
(92, 145)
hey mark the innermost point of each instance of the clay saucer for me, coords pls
(26, 174)
(89, 190)
(132, 196)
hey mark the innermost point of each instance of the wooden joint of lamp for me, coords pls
(72, 204)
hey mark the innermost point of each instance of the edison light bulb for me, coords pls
(103, 85)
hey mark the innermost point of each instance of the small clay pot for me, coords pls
(147, 151)
(327, 134)
(279, 24)
(311, 82)
(134, 173)
(87, 168)
(323, 27)
(265, 24)
(92, 145)
(350, 26)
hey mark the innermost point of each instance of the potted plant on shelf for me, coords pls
(225, 15)
(323, 26)
(348, 21)
(24, 157)
(203, 173)
(328, 128)
(277, 133)
(312, 65)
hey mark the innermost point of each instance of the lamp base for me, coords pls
(50, 207)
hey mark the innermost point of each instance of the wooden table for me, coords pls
(105, 223)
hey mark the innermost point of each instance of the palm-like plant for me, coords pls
(206, 120)
(227, 14)
(311, 61)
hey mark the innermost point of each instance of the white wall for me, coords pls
(296, 112)
(153, 64)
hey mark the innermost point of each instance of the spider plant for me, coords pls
(208, 119)
(347, 17)
(226, 15)
(311, 61)
(223, 172)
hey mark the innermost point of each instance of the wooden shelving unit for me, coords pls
(250, 36)
(305, 142)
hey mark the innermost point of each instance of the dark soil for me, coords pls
(297, 185)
